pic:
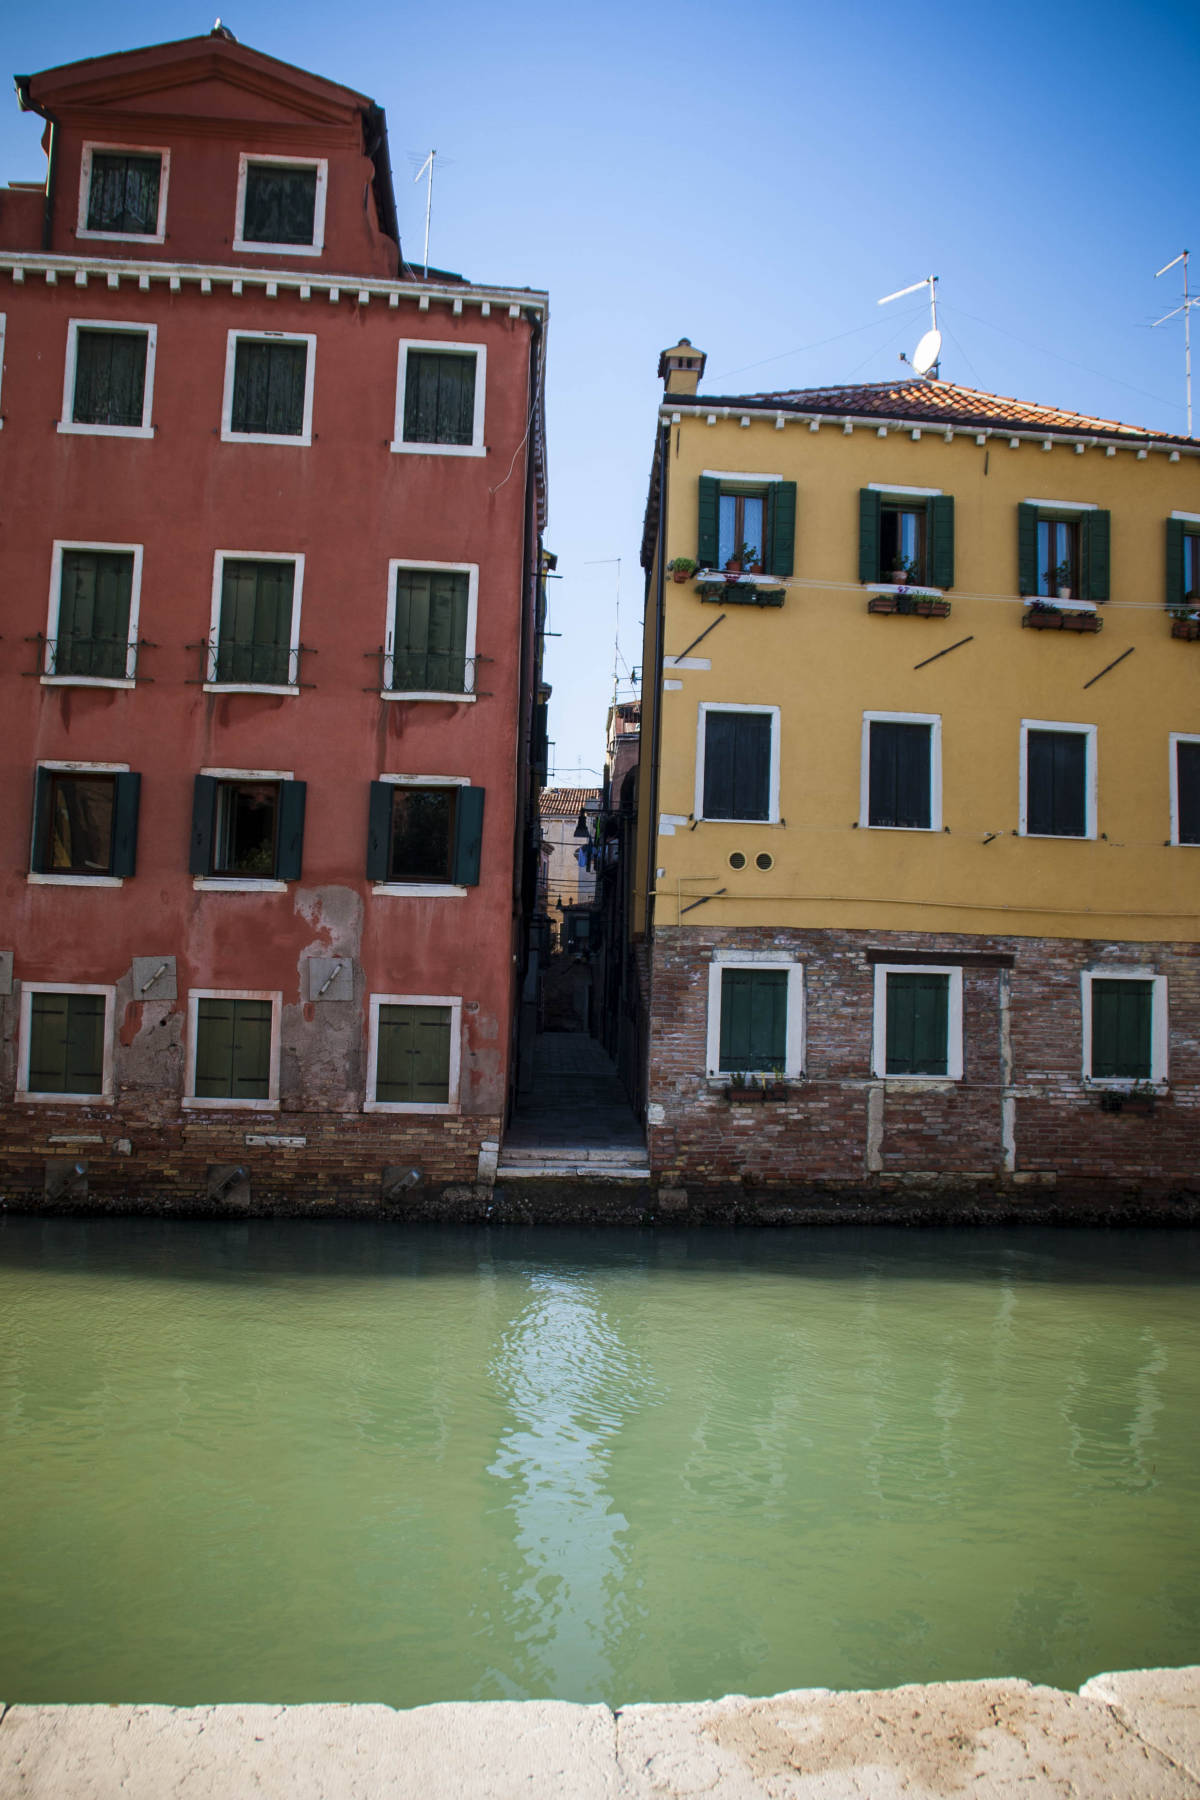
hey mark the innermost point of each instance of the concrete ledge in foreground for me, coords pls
(1128, 1736)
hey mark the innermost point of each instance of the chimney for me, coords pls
(681, 368)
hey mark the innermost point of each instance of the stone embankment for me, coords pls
(1130, 1736)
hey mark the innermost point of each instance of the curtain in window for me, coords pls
(413, 1057)
(268, 388)
(439, 399)
(123, 193)
(93, 614)
(255, 633)
(110, 377)
(281, 205)
(429, 653)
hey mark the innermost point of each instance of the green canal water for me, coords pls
(317, 1461)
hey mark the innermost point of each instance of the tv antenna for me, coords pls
(925, 357)
(1186, 310)
(427, 164)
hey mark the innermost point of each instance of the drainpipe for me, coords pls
(27, 103)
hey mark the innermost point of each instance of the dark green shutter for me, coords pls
(93, 614)
(1122, 1013)
(1027, 549)
(869, 514)
(214, 1049)
(251, 1069)
(468, 836)
(66, 1043)
(899, 782)
(110, 377)
(1187, 791)
(439, 398)
(939, 524)
(1175, 594)
(255, 630)
(204, 820)
(737, 765)
(379, 831)
(781, 528)
(280, 205)
(413, 1055)
(123, 193)
(1094, 532)
(126, 797)
(268, 387)
(707, 535)
(39, 858)
(1056, 784)
(753, 1019)
(289, 836)
(917, 1024)
(429, 646)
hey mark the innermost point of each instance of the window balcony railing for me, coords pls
(77, 658)
(426, 672)
(252, 665)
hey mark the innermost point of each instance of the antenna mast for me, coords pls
(1186, 310)
(926, 357)
(427, 164)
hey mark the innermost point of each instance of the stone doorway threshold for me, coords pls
(576, 1120)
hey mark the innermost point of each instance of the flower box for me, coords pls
(1041, 618)
(921, 606)
(755, 1092)
(739, 593)
(1188, 629)
(1138, 1104)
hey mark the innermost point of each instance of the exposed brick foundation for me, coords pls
(1021, 1130)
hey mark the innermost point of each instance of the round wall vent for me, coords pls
(764, 860)
(737, 860)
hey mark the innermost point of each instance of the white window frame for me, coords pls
(193, 1101)
(453, 1104)
(130, 328)
(159, 235)
(1176, 738)
(242, 884)
(252, 246)
(296, 557)
(1090, 780)
(24, 1043)
(49, 678)
(236, 336)
(954, 1022)
(934, 720)
(441, 347)
(471, 571)
(422, 890)
(793, 967)
(1159, 1026)
(38, 878)
(725, 706)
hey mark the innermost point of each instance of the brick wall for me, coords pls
(1020, 1122)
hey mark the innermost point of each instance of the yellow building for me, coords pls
(919, 808)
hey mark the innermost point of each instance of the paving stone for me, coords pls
(1161, 1705)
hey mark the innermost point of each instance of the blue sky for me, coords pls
(755, 178)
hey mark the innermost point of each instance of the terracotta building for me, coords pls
(271, 554)
(919, 799)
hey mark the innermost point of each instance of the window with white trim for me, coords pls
(85, 822)
(901, 776)
(1058, 779)
(108, 382)
(440, 391)
(1124, 1026)
(247, 829)
(123, 192)
(430, 642)
(918, 1021)
(1185, 788)
(268, 388)
(1063, 550)
(65, 1042)
(737, 763)
(92, 623)
(281, 204)
(755, 1015)
(254, 631)
(233, 1049)
(905, 535)
(414, 1053)
(424, 834)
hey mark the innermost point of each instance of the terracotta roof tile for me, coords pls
(564, 803)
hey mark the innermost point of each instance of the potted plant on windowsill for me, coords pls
(1185, 620)
(903, 572)
(1140, 1099)
(743, 1089)
(745, 560)
(1060, 579)
(682, 568)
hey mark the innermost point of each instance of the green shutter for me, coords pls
(204, 819)
(93, 614)
(917, 1024)
(39, 848)
(379, 831)
(66, 1043)
(940, 528)
(781, 528)
(1122, 1013)
(709, 502)
(1095, 555)
(110, 377)
(289, 835)
(126, 796)
(233, 1049)
(413, 1055)
(468, 836)
(1027, 549)
(255, 630)
(753, 1019)
(1175, 595)
(214, 1049)
(869, 512)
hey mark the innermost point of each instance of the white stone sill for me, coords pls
(244, 687)
(419, 890)
(409, 1106)
(37, 879)
(70, 429)
(23, 1097)
(401, 448)
(917, 589)
(219, 884)
(87, 681)
(194, 1103)
(426, 694)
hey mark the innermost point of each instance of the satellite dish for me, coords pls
(926, 354)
